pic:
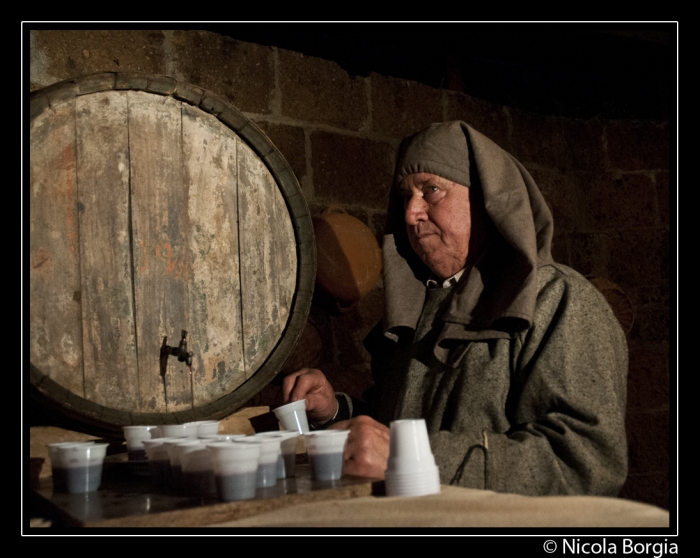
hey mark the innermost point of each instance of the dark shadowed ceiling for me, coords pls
(565, 69)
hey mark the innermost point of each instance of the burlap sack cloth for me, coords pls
(464, 507)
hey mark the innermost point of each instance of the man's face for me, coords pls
(438, 221)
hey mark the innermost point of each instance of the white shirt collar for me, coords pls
(434, 282)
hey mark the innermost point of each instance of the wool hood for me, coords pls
(495, 297)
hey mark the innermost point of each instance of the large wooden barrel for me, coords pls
(157, 208)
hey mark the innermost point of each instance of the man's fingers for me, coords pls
(367, 448)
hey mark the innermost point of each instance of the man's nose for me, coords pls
(415, 210)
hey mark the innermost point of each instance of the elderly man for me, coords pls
(516, 363)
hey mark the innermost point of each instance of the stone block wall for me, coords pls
(607, 183)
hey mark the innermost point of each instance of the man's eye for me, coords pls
(430, 190)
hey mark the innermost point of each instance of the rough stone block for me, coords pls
(652, 319)
(291, 142)
(639, 255)
(609, 202)
(561, 194)
(633, 145)
(401, 107)
(648, 438)
(73, 53)
(351, 170)
(377, 225)
(316, 90)
(539, 140)
(663, 195)
(488, 118)
(241, 72)
(560, 248)
(584, 141)
(588, 253)
(648, 380)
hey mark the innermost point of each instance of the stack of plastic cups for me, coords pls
(286, 461)
(411, 469)
(267, 462)
(325, 450)
(235, 469)
(135, 435)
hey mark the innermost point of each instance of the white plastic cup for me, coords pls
(235, 469)
(187, 430)
(197, 468)
(206, 427)
(57, 470)
(80, 466)
(411, 468)
(171, 447)
(286, 462)
(211, 438)
(325, 450)
(135, 435)
(159, 460)
(409, 447)
(267, 463)
(293, 416)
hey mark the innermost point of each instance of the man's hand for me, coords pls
(367, 448)
(312, 385)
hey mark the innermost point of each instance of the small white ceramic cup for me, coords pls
(293, 416)
(325, 450)
(235, 469)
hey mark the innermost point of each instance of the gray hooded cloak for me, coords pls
(520, 369)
